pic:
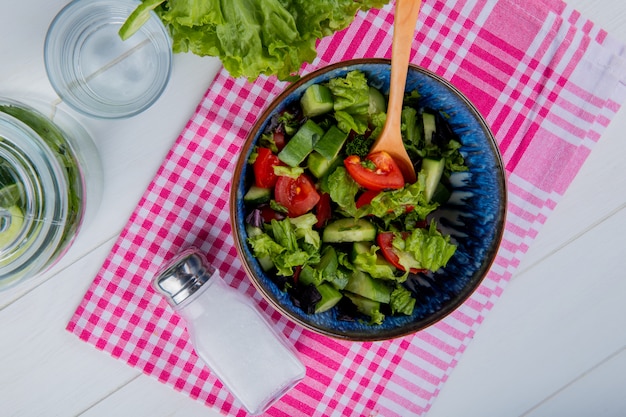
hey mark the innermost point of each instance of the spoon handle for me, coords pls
(404, 27)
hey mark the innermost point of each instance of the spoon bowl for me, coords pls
(390, 139)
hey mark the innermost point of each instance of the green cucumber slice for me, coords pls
(318, 164)
(330, 297)
(257, 195)
(316, 100)
(430, 126)
(377, 102)
(364, 285)
(11, 221)
(349, 230)
(331, 143)
(433, 170)
(301, 144)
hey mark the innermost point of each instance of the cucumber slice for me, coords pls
(368, 307)
(10, 195)
(331, 143)
(442, 194)
(377, 102)
(360, 247)
(349, 230)
(330, 298)
(138, 18)
(316, 100)
(257, 195)
(433, 170)
(325, 269)
(430, 126)
(301, 144)
(328, 262)
(309, 276)
(11, 221)
(318, 164)
(364, 285)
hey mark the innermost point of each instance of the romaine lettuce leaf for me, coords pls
(343, 189)
(352, 99)
(429, 247)
(402, 301)
(390, 205)
(253, 37)
(368, 262)
(287, 245)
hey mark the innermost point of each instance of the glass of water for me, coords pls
(97, 73)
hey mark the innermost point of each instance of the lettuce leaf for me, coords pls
(287, 244)
(343, 190)
(253, 37)
(402, 302)
(352, 100)
(429, 247)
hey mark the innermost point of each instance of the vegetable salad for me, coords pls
(336, 226)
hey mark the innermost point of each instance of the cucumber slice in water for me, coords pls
(11, 221)
(138, 18)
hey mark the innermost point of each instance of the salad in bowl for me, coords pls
(332, 234)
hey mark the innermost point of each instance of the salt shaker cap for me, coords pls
(182, 276)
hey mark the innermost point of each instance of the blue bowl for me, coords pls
(474, 216)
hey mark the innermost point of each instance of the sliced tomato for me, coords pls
(391, 254)
(268, 214)
(263, 168)
(298, 196)
(323, 210)
(366, 197)
(378, 172)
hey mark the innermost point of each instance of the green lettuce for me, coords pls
(288, 245)
(429, 247)
(369, 262)
(351, 96)
(390, 205)
(402, 301)
(343, 190)
(253, 37)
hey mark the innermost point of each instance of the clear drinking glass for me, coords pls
(97, 73)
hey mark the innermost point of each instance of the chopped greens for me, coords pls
(357, 244)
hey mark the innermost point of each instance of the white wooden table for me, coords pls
(553, 345)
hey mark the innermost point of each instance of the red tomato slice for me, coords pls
(323, 210)
(385, 241)
(384, 175)
(366, 198)
(263, 168)
(298, 196)
(268, 214)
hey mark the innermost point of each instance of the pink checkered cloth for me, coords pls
(547, 80)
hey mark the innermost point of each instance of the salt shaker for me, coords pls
(229, 333)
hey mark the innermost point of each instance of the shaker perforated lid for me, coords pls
(183, 276)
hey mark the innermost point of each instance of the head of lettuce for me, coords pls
(251, 37)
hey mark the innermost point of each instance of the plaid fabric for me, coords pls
(546, 79)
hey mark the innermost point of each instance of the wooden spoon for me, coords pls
(390, 139)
